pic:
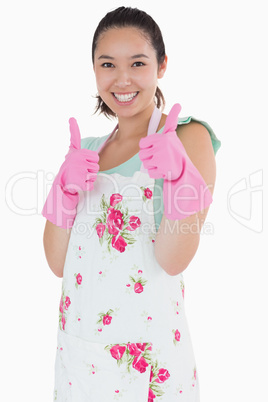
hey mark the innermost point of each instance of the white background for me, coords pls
(218, 72)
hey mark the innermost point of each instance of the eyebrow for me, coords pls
(136, 56)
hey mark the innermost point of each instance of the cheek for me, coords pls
(148, 79)
(103, 81)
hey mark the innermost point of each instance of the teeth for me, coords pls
(125, 98)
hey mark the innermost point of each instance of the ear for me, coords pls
(162, 68)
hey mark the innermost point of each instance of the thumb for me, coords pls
(75, 134)
(172, 118)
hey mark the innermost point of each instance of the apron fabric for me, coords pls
(123, 335)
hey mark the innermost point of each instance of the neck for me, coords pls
(134, 127)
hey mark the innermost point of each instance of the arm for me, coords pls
(56, 240)
(78, 172)
(177, 241)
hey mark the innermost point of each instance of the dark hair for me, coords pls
(131, 17)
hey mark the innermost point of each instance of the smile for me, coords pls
(125, 97)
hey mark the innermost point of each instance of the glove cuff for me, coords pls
(185, 196)
(60, 206)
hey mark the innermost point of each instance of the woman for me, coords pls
(135, 201)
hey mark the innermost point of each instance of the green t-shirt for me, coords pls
(133, 164)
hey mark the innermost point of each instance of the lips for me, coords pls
(125, 97)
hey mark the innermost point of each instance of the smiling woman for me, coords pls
(127, 70)
(147, 29)
(122, 324)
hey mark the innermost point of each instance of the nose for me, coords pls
(122, 79)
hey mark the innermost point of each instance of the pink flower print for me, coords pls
(139, 271)
(177, 335)
(142, 346)
(134, 222)
(152, 374)
(119, 243)
(140, 364)
(133, 349)
(138, 283)
(107, 319)
(117, 351)
(112, 230)
(79, 279)
(115, 222)
(128, 285)
(67, 302)
(117, 390)
(61, 305)
(182, 289)
(63, 321)
(115, 199)
(100, 229)
(104, 319)
(163, 375)
(148, 193)
(149, 318)
(151, 396)
(138, 288)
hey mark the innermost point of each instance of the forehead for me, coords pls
(123, 41)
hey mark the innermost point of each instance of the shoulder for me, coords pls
(197, 130)
(195, 137)
(196, 140)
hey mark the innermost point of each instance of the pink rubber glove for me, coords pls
(163, 155)
(77, 173)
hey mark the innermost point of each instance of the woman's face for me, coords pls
(126, 70)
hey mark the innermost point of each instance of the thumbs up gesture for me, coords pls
(77, 173)
(80, 168)
(164, 156)
(160, 153)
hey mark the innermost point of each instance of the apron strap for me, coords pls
(152, 128)
(102, 145)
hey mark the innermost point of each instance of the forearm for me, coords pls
(56, 242)
(177, 242)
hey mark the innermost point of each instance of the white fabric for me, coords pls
(123, 333)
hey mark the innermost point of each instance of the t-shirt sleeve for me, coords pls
(216, 143)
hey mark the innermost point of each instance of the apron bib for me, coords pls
(123, 333)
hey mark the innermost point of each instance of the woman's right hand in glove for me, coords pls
(77, 173)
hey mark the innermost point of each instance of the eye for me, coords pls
(107, 65)
(138, 64)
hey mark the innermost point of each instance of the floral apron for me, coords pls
(123, 333)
